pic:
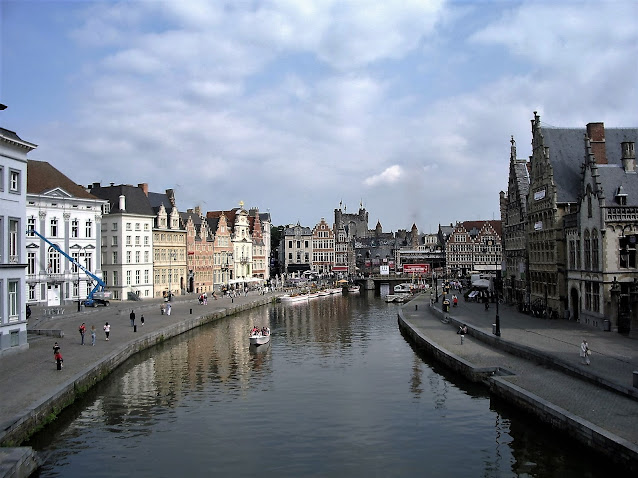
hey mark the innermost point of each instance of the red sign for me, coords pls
(340, 268)
(416, 268)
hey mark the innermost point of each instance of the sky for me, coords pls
(301, 107)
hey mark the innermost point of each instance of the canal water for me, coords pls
(337, 392)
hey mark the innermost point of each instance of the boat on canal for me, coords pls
(293, 298)
(257, 337)
(405, 288)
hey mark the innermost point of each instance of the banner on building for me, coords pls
(416, 268)
(384, 270)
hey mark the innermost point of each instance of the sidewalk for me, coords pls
(545, 364)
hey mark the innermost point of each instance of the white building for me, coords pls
(127, 241)
(13, 189)
(69, 217)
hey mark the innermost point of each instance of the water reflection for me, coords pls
(337, 391)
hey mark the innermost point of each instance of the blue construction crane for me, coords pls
(98, 295)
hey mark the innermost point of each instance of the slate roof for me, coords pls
(521, 173)
(611, 178)
(42, 178)
(157, 199)
(567, 154)
(136, 200)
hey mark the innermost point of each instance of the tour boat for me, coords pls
(293, 298)
(405, 288)
(259, 339)
(353, 289)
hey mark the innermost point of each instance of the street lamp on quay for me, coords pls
(497, 324)
(171, 255)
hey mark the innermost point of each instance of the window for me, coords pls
(32, 292)
(76, 257)
(114, 226)
(14, 181)
(106, 209)
(137, 257)
(137, 240)
(146, 276)
(54, 227)
(145, 256)
(88, 262)
(89, 228)
(137, 226)
(627, 251)
(587, 251)
(128, 240)
(587, 295)
(54, 261)
(128, 257)
(595, 297)
(114, 257)
(30, 262)
(146, 227)
(13, 241)
(13, 300)
(114, 241)
(594, 250)
(105, 277)
(128, 277)
(146, 240)
(137, 277)
(128, 226)
(115, 279)
(31, 224)
(75, 228)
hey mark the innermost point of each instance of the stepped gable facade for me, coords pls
(514, 223)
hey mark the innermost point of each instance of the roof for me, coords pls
(136, 200)
(156, 200)
(567, 154)
(42, 178)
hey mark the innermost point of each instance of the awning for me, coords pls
(473, 294)
(481, 283)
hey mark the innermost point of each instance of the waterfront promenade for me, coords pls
(30, 381)
(542, 372)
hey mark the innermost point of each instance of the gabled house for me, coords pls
(200, 251)
(514, 224)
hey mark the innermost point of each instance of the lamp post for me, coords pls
(497, 324)
(171, 255)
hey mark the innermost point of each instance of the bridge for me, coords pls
(374, 282)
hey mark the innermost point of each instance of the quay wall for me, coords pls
(619, 450)
(43, 412)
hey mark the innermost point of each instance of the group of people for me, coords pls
(165, 308)
(82, 330)
(257, 331)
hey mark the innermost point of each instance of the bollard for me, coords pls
(135, 328)
(416, 306)
(191, 311)
(635, 379)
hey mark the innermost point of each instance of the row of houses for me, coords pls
(133, 239)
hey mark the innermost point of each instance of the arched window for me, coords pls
(587, 244)
(589, 204)
(53, 266)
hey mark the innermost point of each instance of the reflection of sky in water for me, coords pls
(337, 392)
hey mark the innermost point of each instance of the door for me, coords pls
(53, 295)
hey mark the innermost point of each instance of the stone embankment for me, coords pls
(535, 365)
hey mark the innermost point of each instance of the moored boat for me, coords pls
(405, 288)
(293, 298)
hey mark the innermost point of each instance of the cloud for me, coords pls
(390, 175)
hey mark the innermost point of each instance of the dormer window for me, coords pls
(621, 196)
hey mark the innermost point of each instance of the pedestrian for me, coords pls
(142, 319)
(162, 308)
(585, 352)
(107, 330)
(462, 331)
(132, 317)
(93, 335)
(82, 330)
(56, 349)
(58, 359)
(168, 309)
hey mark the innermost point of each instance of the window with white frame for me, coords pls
(13, 241)
(53, 266)
(128, 257)
(145, 276)
(14, 181)
(137, 277)
(75, 228)
(89, 228)
(31, 224)
(54, 227)
(13, 300)
(32, 296)
(128, 277)
(30, 262)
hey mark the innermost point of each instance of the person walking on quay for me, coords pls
(107, 330)
(162, 308)
(462, 331)
(142, 319)
(56, 349)
(168, 309)
(585, 352)
(132, 317)
(82, 330)
(58, 359)
(93, 335)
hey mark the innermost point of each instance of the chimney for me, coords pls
(628, 156)
(596, 135)
(198, 211)
(122, 202)
(144, 187)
